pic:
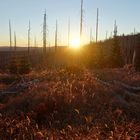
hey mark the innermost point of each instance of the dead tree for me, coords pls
(106, 35)
(15, 40)
(115, 29)
(81, 23)
(29, 30)
(91, 38)
(44, 33)
(10, 35)
(56, 32)
(97, 25)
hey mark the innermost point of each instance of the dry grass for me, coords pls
(126, 75)
(70, 104)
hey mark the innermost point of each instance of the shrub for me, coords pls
(19, 65)
(24, 67)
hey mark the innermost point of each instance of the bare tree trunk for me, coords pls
(10, 35)
(15, 39)
(106, 35)
(44, 34)
(29, 29)
(56, 32)
(97, 25)
(91, 39)
(81, 23)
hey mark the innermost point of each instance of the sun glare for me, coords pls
(75, 43)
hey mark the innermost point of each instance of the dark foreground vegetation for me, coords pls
(71, 103)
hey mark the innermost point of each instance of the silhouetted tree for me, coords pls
(116, 56)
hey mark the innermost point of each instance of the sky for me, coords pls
(125, 12)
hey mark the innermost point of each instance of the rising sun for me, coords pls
(75, 43)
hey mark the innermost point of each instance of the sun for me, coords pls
(75, 43)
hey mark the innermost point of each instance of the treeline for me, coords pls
(125, 49)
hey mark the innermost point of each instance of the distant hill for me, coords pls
(7, 48)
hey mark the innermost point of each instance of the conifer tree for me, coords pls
(116, 56)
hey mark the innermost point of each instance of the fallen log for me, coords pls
(127, 87)
(15, 88)
(123, 85)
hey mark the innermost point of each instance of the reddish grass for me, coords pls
(71, 104)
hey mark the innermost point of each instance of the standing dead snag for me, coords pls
(81, 23)
(56, 32)
(136, 57)
(15, 39)
(91, 37)
(106, 35)
(10, 35)
(29, 29)
(44, 34)
(97, 25)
